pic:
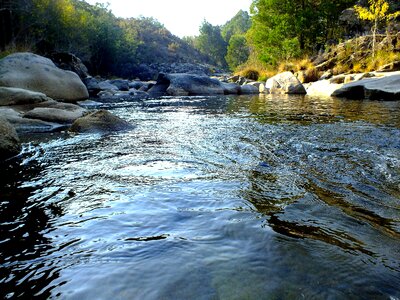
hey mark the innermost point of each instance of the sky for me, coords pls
(180, 17)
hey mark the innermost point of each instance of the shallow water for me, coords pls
(210, 198)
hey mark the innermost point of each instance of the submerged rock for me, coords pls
(36, 73)
(9, 141)
(100, 121)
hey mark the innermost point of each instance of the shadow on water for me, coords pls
(23, 272)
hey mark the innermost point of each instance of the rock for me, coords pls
(338, 79)
(92, 85)
(39, 74)
(68, 61)
(186, 84)
(107, 86)
(248, 89)
(327, 74)
(322, 88)
(284, 83)
(25, 125)
(394, 66)
(56, 112)
(9, 141)
(100, 121)
(17, 96)
(386, 88)
(122, 85)
(230, 88)
(136, 84)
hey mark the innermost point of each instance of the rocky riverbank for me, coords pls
(37, 96)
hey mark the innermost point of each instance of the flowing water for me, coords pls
(210, 198)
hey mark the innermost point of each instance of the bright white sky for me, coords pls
(181, 17)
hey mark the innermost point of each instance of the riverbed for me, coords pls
(244, 197)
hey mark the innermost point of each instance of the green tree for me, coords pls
(239, 24)
(211, 43)
(377, 12)
(283, 29)
(238, 51)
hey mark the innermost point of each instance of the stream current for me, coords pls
(260, 197)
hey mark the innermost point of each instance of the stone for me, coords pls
(182, 84)
(17, 96)
(385, 88)
(68, 61)
(327, 74)
(25, 125)
(107, 86)
(122, 85)
(36, 73)
(92, 85)
(9, 142)
(322, 88)
(54, 114)
(100, 121)
(284, 83)
(248, 89)
(230, 88)
(394, 66)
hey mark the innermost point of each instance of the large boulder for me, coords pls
(186, 85)
(56, 112)
(26, 125)
(9, 141)
(284, 83)
(230, 88)
(249, 89)
(100, 121)
(36, 73)
(17, 96)
(68, 61)
(322, 88)
(385, 88)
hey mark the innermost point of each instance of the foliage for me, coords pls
(108, 45)
(286, 29)
(211, 43)
(238, 51)
(377, 12)
(238, 25)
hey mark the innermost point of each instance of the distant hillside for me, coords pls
(106, 44)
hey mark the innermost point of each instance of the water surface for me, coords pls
(210, 198)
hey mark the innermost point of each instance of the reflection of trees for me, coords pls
(22, 272)
(274, 209)
(305, 109)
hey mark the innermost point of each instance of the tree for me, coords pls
(238, 51)
(238, 25)
(377, 12)
(283, 29)
(211, 43)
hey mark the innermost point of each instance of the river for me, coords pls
(264, 197)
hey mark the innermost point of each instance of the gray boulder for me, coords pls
(107, 86)
(385, 88)
(39, 74)
(230, 88)
(56, 112)
(122, 85)
(9, 141)
(17, 96)
(249, 89)
(284, 83)
(100, 121)
(26, 125)
(185, 85)
(92, 85)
